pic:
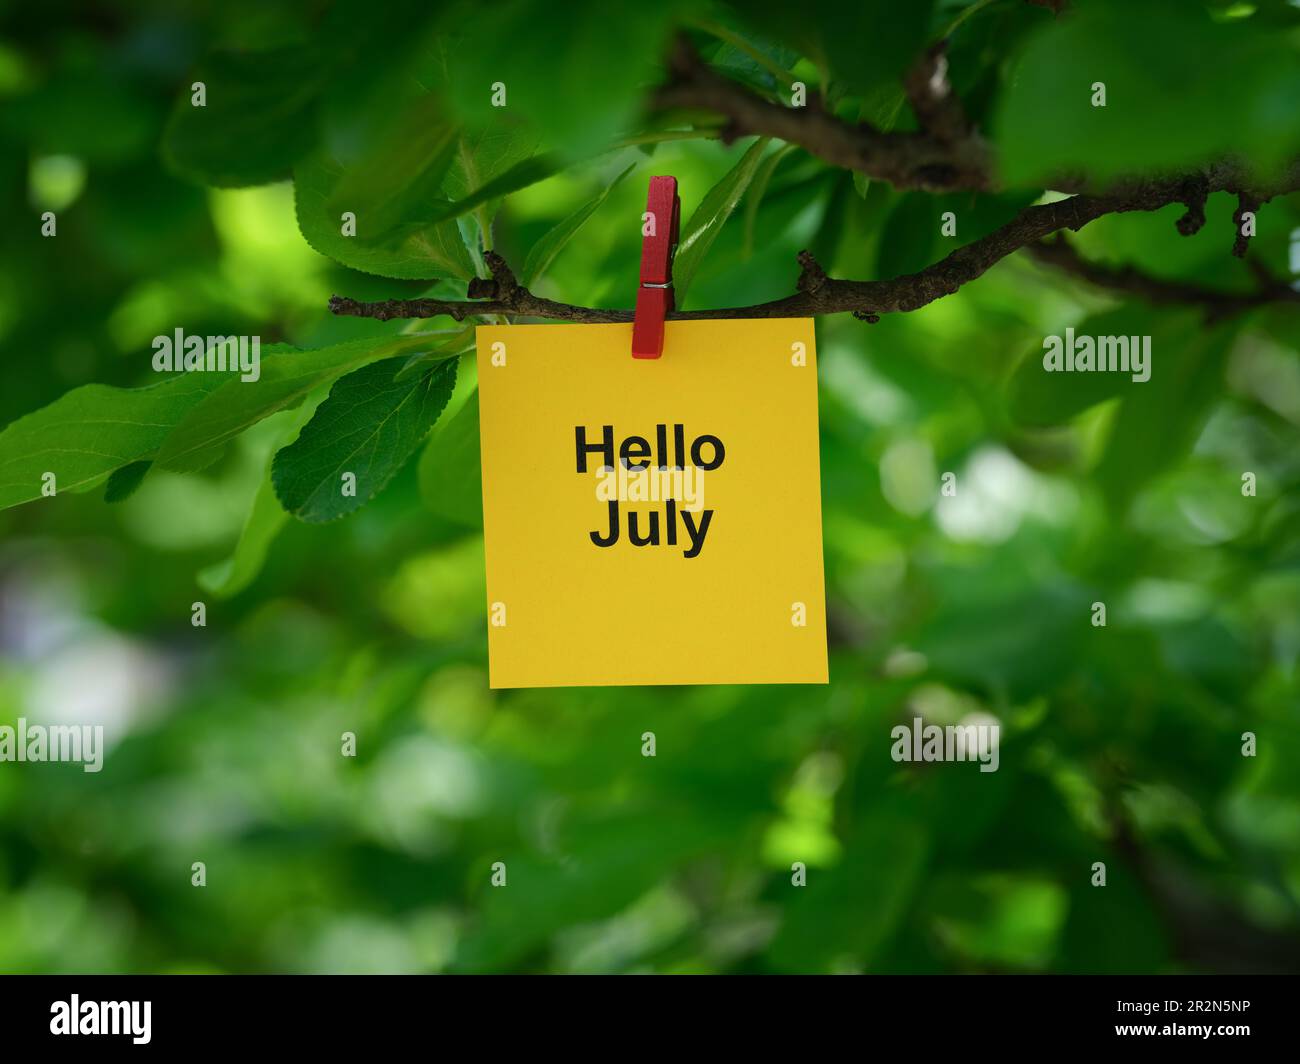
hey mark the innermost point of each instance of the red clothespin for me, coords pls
(654, 297)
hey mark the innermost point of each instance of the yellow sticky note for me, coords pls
(652, 521)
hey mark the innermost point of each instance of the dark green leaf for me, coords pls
(1038, 398)
(368, 427)
(1161, 112)
(1160, 418)
(848, 913)
(577, 76)
(866, 43)
(122, 483)
(258, 121)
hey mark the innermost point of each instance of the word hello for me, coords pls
(102, 1017)
(956, 742)
(634, 453)
(59, 742)
(1110, 354)
(211, 354)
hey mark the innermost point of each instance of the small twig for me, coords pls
(818, 294)
(1194, 199)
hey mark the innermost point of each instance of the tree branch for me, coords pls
(817, 294)
(945, 154)
(935, 159)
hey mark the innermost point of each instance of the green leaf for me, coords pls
(522, 174)
(866, 43)
(913, 238)
(1159, 419)
(1113, 929)
(387, 132)
(450, 343)
(287, 377)
(122, 483)
(368, 427)
(551, 243)
(747, 57)
(761, 180)
(425, 249)
(1161, 111)
(706, 222)
(259, 118)
(1038, 398)
(266, 517)
(850, 912)
(93, 431)
(450, 473)
(623, 857)
(483, 156)
(231, 575)
(394, 186)
(909, 240)
(577, 76)
(426, 253)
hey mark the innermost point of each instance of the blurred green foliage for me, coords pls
(1121, 744)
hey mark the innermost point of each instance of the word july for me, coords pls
(706, 453)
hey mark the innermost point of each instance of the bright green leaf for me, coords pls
(92, 431)
(266, 517)
(761, 180)
(552, 242)
(698, 235)
(287, 377)
(451, 479)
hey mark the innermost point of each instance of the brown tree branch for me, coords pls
(946, 153)
(934, 159)
(1246, 203)
(818, 294)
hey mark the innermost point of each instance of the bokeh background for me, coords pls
(1121, 744)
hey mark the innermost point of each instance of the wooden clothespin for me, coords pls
(654, 296)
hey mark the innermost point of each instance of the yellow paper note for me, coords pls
(652, 521)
